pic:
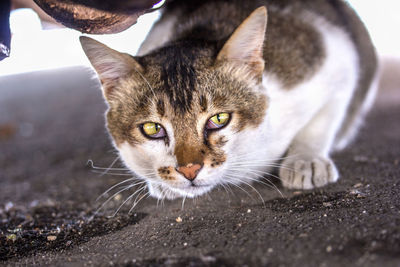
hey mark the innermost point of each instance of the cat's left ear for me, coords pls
(109, 64)
(245, 46)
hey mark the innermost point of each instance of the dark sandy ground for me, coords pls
(51, 124)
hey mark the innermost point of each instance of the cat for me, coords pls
(223, 92)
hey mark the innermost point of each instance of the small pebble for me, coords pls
(178, 220)
(270, 250)
(328, 249)
(51, 238)
(357, 185)
(327, 204)
(249, 210)
(11, 237)
(185, 244)
(357, 193)
(9, 206)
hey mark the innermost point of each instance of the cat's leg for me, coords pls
(307, 163)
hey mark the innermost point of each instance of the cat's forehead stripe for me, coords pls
(179, 77)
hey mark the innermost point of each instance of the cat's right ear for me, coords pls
(245, 46)
(109, 64)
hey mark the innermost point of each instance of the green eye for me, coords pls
(217, 121)
(153, 130)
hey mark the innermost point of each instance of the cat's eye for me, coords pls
(218, 121)
(153, 130)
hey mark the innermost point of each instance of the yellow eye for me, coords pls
(217, 121)
(220, 118)
(154, 130)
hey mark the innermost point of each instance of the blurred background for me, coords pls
(39, 44)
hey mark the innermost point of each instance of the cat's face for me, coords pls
(182, 117)
(181, 133)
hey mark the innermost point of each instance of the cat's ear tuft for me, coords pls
(109, 64)
(245, 46)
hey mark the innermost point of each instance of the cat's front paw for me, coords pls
(307, 173)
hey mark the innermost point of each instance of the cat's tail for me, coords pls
(368, 80)
(361, 103)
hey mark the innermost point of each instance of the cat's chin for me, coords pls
(164, 192)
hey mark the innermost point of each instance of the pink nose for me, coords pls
(190, 171)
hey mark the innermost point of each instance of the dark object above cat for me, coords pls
(5, 33)
(96, 16)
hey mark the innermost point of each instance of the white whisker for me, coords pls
(258, 179)
(249, 185)
(136, 203)
(183, 202)
(108, 200)
(258, 163)
(260, 175)
(126, 200)
(111, 173)
(226, 189)
(112, 187)
(238, 186)
(247, 155)
(91, 165)
(151, 88)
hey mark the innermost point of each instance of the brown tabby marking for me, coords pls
(166, 173)
(161, 107)
(305, 49)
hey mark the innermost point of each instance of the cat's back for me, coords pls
(294, 45)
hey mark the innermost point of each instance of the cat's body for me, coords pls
(297, 89)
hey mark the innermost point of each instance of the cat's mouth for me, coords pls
(169, 191)
(192, 190)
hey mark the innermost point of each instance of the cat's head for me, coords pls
(183, 117)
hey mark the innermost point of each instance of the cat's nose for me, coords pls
(190, 171)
